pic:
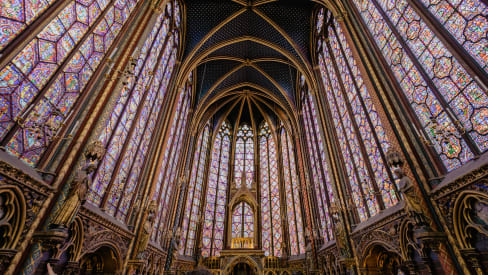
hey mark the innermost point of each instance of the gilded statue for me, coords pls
(146, 229)
(79, 187)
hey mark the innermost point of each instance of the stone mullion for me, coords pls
(359, 139)
(469, 142)
(206, 172)
(451, 43)
(368, 118)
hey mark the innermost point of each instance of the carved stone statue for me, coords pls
(341, 237)
(135, 212)
(146, 229)
(79, 187)
(405, 186)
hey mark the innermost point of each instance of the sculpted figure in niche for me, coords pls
(79, 187)
(146, 229)
(405, 185)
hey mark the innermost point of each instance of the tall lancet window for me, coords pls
(318, 163)
(172, 154)
(213, 227)
(358, 126)
(128, 131)
(292, 189)
(244, 156)
(194, 197)
(271, 234)
(48, 75)
(443, 83)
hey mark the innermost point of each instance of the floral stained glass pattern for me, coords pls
(292, 189)
(193, 201)
(75, 41)
(214, 215)
(270, 193)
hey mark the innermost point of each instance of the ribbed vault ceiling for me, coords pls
(237, 45)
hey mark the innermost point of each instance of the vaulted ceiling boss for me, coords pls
(273, 137)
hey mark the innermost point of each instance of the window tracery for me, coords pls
(444, 93)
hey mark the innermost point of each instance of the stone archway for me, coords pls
(254, 267)
(104, 261)
(379, 260)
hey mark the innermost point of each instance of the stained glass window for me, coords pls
(292, 190)
(242, 221)
(194, 197)
(446, 98)
(244, 156)
(213, 226)
(129, 129)
(361, 135)
(15, 16)
(320, 175)
(467, 22)
(42, 83)
(271, 234)
(168, 168)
